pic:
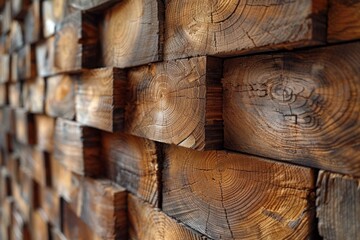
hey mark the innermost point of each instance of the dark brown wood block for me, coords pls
(150, 223)
(233, 196)
(4, 68)
(133, 163)
(45, 127)
(228, 27)
(25, 127)
(300, 107)
(132, 33)
(50, 203)
(15, 95)
(3, 94)
(338, 206)
(39, 225)
(177, 102)
(78, 148)
(60, 96)
(33, 24)
(5, 185)
(100, 98)
(33, 95)
(92, 5)
(26, 63)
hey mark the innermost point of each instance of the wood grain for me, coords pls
(45, 127)
(33, 95)
(39, 225)
(56, 234)
(177, 102)
(26, 63)
(92, 5)
(131, 33)
(13, 68)
(60, 96)
(45, 57)
(20, 227)
(233, 27)
(150, 223)
(51, 206)
(6, 18)
(19, 8)
(15, 95)
(100, 98)
(33, 24)
(233, 196)
(300, 107)
(16, 36)
(3, 94)
(25, 127)
(4, 68)
(47, 18)
(133, 163)
(338, 210)
(343, 20)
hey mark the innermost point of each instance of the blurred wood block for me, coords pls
(26, 63)
(4, 68)
(3, 95)
(45, 127)
(343, 20)
(56, 234)
(20, 227)
(25, 127)
(132, 33)
(40, 229)
(299, 107)
(60, 96)
(150, 223)
(45, 57)
(61, 9)
(40, 167)
(132, 162)
(6, 17)
(48, 18)
(5, 185)
(233, 196)
(233, 27)
(100, 98)
(92, 5)
(15, 95)
(338, 206)
(16, 36)
(7, 117)
(177, 102)
(76, 43)
(7, 208)
(19, 8)
(33, 25)
(33, 95)
(51, 205)
(14, 76)
(78, 148)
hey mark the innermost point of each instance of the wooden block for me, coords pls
(26, 63)
(102, 206)
(338, 206)
(25, 127)
(299, 107)
(40, 167)
(19, 8)
(76, 43)
(7, 208)
(14, 77)
(16, 36)
(45, 127)
(78, 148)
(132, 162)
(5, 185)
(60, 96)
(51, 206)
(56, 234)
(61, 9)
(100, 98)
(7, 117)
(3, 94)
(4, 68)
(39, 226)
(20, 227)
(92, 5)
(15, 95)
(132, 33)
(177, 102)
(48, 18)
(151, 224)
(233, 196)
(33, 22)
(229, 28)
(33, 95)
(45, 57)
(6, 17)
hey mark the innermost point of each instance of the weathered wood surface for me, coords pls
(78, 148)
(233, 196)
(132, 33)
(45, 57)
(25, 127)
(33, 95)
(177, 102)
(56, 234)
(4, 68)
(26, 63)
(229, 27)
(16, 36)
(300, 107)
(40, 171)
(133, 163)
(19, 8)
(39, 225)
(343, 20)
(150, 223)
(48, 18)
(100, 98)
(92, 5)
(338, 206)
(20, 227)
(15, 95)
(33, 24)
(76, 43)
(7, 117)
(3, 94)
(13, 68)
(50, 203)
(45, 127)
(60, 96)
(6, 17)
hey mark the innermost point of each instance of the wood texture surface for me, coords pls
(131, 33)
(26, 63)
(6, 17)
(16, 36)
(338, 206)
(60, 96)
(132, 162)
(45, 57)
(300, 107)
(45, 127)
(15, 95)
(92, 5)
(39, 225)
(19, 8)
(4, 68)
(33, 24)
(228, 27)
(100, 98)
(78, 148)
(343, 20)
(233, 196)
(3, 94)
(48, 18)
(50, 204)
(25, 127)
(150, 223)
(177, 102)
(33, 95)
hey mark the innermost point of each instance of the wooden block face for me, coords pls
(6, 17)
(45, 127)
(40, 171)
(19, 8)
(51, 206)
(3, 94)
(45, 57)
(343, 20)
(14, 68)
(4, 68)
(48, 18)
(227, 195)
(149, 223)
(33, 22)
(56, 234)
(40, 228)
(299, 107)
(93, 5)
(132, 162)
(131, 33)
(26, 63)
(100, 98)
(229, 28)
(165, 106)
(337, 206)
(15, 95)
(16, 36)
(60, 96)
(33, 95)
(25, 127)
(20, 228)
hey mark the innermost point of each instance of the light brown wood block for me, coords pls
(100, 98)
(20, 227)
(48, 18)
(233, 196)
(6, 18)
(56, 234)
(300, 107)
(338, 206)
(78, 148)
(3, 95)
(50, 203)
(25, 127)
(45, 127)
(133, 163)
(177, 102)
(39, 225)
(131, 33)
(233, 27)
(14, 76)
(4, 68)
(45, 57)
(33, 22)
(15, 95)
(33, 95)
(26, 63)
(60, 96)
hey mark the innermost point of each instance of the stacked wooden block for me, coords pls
(179, 119)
